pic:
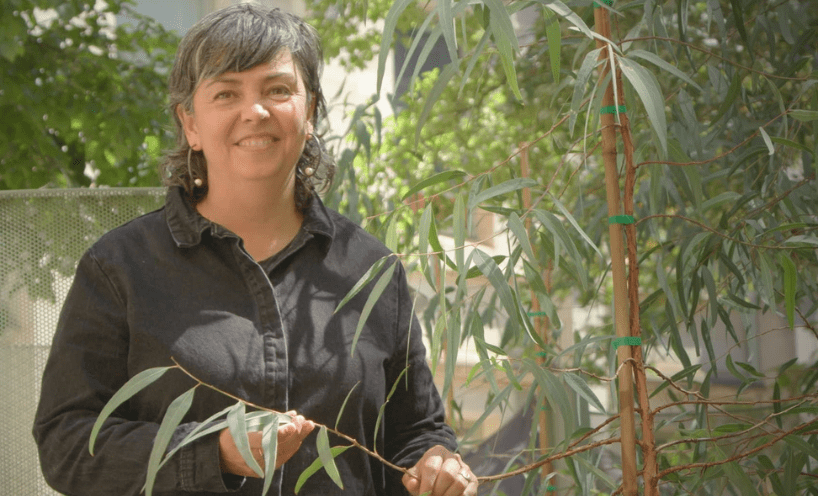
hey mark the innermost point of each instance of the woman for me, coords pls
(237, 279)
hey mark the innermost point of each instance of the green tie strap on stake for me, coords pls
(621, 219)
(613, 109)
(537, 314)
(628, 341)
(542, 354)
(609, 3)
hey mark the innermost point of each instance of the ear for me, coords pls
(189, 126)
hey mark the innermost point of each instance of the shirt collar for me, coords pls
(186, 224)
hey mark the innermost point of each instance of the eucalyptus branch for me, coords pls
(712, 54)
(714, 231)
(740, 456)
(746, 431)
(351, 439)
(373, 454)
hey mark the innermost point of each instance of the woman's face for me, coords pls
(251, 125)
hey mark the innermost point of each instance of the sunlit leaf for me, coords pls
(316, 466)
(135, 384)
(374, 296)
(237, 423)
(434, 180)
(646, 86)
(365, 279)
(327, 458)
(269, 444)
(173, 417)
(578, 384)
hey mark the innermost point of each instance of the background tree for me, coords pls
(82, 95)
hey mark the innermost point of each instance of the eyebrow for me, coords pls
(233, 81)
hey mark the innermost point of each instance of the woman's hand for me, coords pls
(290, 437)
(440, 472)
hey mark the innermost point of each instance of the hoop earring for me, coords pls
(198, 181)
(309, 171)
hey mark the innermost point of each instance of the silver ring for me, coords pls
(465, 475)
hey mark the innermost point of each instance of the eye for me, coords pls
(279, 91)
(223, 95)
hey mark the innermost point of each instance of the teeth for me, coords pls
(256, 142)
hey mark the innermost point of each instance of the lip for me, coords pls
(256, 141)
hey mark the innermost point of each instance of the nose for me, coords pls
(258, 111)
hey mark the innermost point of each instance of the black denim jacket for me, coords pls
(173, 284)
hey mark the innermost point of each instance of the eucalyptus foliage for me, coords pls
(722, 109)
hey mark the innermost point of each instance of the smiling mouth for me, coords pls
(255, 142)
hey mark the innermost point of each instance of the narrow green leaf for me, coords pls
(732, 93)
(203, 429)
(804, 115)
(575, 225)
(505, 37)
(767, 141)
(326, 457)
(316, 466)
(766, 272)
(344, 404)
(552, 34)
(516, 226)
(390, 23)
(391, 238)
(662, 64)
(719, 199)
(173, 416)
(712, 294)
(554, 391)
(739, 18)
(376, 293)
(501, 189)
(733, 370)
(790, 286)
(135, 384)
(792, 144)
(383, 407)
(802, 446)
(365, 279)
(237, 423)
(269, 444)
(579, 386)
(590, 61)
(433, 180)
(646, 86)
(444, 13)
(561, 9)
(459, 220)
(498, 280)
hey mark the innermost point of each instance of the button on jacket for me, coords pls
(172, 284)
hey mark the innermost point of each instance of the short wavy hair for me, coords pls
(236, 39)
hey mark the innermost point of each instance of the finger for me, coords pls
(428, 470)
(449, 482)
(411, 482)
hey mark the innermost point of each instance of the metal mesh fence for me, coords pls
(42, 235)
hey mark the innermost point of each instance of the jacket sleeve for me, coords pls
(88, 363)
(414, 417)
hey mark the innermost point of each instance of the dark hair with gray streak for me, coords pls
(236, 39)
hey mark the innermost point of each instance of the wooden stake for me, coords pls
(541, 324)
(621, 307)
